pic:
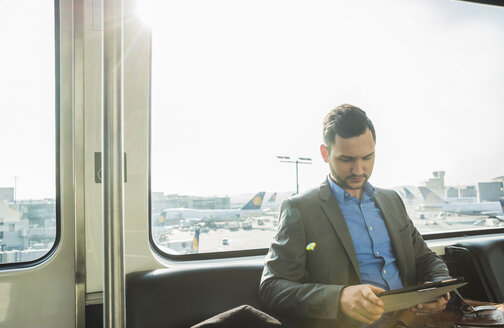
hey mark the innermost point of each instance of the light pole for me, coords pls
(15, 178)
(299, 160)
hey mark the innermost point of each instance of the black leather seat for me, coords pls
(182, 297)
(481, 262)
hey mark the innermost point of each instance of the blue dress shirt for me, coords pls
(377, 262)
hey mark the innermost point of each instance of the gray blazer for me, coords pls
(308, 283)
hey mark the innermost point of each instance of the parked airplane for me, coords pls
(433, 201)
(182, 246)
(272, 205)
(408, 195)
(174, 215)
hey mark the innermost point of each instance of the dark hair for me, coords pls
(347, 121)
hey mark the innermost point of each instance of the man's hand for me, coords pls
(361, 303)
(432, 307)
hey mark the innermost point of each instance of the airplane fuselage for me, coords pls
(176, 214)
(467, 208)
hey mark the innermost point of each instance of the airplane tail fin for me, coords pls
(409, 194)
(195, 242)
(430, 197)
(255, 203)
(272, 198)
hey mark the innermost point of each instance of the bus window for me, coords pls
(239, 92)
(27, 131)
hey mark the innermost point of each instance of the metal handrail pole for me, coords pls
(113, 164)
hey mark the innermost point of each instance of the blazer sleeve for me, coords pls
(430, 266)
(282, 288)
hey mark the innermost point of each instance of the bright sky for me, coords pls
(27, 107)
(236, 83)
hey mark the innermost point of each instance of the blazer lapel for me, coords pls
(393, 226)
(330, 206)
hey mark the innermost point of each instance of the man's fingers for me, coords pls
(371, 307)
(375, 289)
(370, 295)
(431, 307)
(360, 302)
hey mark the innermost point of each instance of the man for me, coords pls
(340, 244)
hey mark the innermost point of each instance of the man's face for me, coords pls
(351, 161)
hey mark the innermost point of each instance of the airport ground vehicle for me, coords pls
(65, 286)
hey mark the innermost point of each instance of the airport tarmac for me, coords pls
(260, 235)
(438, 221)
(223, 240)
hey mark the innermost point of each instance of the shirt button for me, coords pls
(371, 228)
(384, 271)
(377, 253)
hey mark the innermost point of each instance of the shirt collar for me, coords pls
(341, 195)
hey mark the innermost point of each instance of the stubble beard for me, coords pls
(345, 185)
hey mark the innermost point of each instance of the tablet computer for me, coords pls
(407, 297)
